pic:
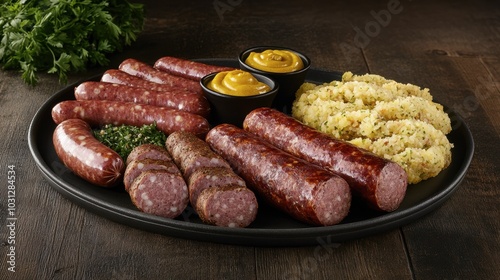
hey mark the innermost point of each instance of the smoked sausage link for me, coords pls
(179, 99)
(380, 182)
(82, 153)
(305, 191)
(102, 112)
(187, 68)
(115, 76)
(144, 71)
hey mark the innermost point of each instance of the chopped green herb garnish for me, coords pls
(124, 138)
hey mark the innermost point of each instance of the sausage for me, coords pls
(305, 191)
(101, 112)
(115, 76)
(228, 202)
(191, 153)
(84, 155)
(148, 151)
(159, 193)
(137, 167)
(228, 206)
(144, 71)
(187, 68)
(211, 177)
(380, 182)
(176, 99)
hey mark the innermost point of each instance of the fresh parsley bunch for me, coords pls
(60, 36)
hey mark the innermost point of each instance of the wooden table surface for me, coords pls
(451, 48)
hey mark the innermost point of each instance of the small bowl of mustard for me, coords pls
(235, 93)
(286, 66)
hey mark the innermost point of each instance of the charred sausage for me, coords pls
(380, 182)
(187, 68)
(176, 99)
(84, 155)
(305, 191)
(101, 112)
(144, 71)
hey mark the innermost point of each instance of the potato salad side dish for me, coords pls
(397, 121)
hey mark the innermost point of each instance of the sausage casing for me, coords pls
(82, 153)
(380, 182)
(305, 191)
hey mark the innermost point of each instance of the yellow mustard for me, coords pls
(276, 61)
(237, 83)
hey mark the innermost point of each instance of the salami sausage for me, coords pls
(101, 112)
(148, 151)
(179, 99)
(137, 167)
(84, 155)
(305, 191)
(115, 76)
(191, 153)
(380, 182)
(144, 71)
(159, 193)
(228, 206)
(187, 68)
(211, 177)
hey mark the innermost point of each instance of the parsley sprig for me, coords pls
(60, 36)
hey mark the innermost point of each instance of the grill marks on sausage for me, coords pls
(176, 99)
(187, 68)
(380, 182)
(305, 191)
(219, 196)
(144, 71)
(101, 112)
(85, 156)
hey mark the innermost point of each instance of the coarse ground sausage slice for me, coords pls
(380, 182)
(102, 112)
(160, 193)
(191, 153)
(179, 99)
(84, 155)
(229, 206)
(211, 177)
(187, 68)
(304, 190)
(144, 71)
(136, 167)
(115, 76)
(148, 151)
